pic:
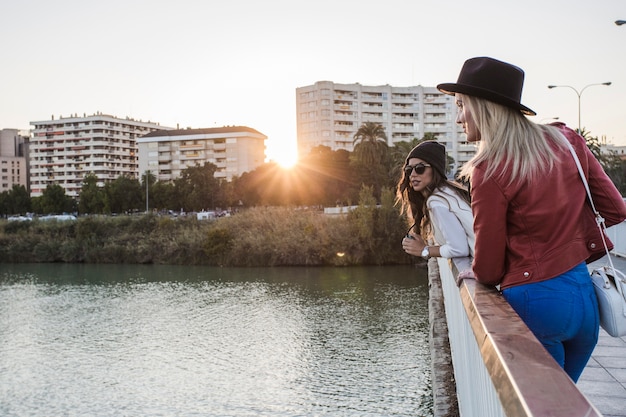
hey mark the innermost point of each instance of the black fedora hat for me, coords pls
(491, 80)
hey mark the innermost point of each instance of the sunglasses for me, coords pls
(419, 168)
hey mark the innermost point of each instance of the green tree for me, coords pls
(398, 154)
(54, 200)
(227, 196)
(197, 188)
(17, 200)
(370, 157)
(363, 221)
(163, 196)
(245, 191)
(370, 143)
(268, 184)
(326, 177)
(123, 195)
(610, 161)
(91, 196)
(4, 196)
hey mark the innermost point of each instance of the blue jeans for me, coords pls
(562, 312)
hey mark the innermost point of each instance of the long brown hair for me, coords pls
(413, 203)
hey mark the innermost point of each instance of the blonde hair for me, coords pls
(511, 144)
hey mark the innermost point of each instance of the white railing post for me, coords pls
(617, 234)
(500, 368)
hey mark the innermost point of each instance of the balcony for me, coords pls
(403, 98)
(193, 146)
(193, 156)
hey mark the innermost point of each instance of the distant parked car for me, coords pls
(19, 218)
(58, 217)
(206, 215)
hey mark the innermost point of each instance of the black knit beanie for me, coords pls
(432, 152)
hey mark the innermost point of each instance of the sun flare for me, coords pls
(287, 161)
(284, 155)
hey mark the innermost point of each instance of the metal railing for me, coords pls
(500, 368)
(617, 234)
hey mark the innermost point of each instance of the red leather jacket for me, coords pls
(533, 232)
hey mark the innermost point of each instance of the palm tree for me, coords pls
(610, 161)
(370, 158)
(370, 143)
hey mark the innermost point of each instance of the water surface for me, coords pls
(145, 340)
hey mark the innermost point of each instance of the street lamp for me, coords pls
(620, 22)
(147, 198)
(579, 94)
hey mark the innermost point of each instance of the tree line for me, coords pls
(324, 177)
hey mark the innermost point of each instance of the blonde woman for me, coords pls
(534, 227)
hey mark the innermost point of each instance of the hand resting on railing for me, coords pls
(465, 274)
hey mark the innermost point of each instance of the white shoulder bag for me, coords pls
(609, 283)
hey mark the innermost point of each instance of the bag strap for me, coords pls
(599, 218)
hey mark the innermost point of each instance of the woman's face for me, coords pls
(419, 182)
(465, 119)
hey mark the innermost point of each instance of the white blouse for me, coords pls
(452, 222)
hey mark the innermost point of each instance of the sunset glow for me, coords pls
(243, 69)
(284, 154)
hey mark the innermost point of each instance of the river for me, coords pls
(147, 340)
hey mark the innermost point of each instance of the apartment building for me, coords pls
(330, 114)
(64, 150)
(13, 164)
(233, 149)
(618, 150)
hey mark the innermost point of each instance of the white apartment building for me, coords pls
(65, 150)
(329, 114)
(619, 150)
(233, 149)
(13, 166)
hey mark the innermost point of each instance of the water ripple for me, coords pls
(254, 343)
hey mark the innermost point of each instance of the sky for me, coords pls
(208, 63)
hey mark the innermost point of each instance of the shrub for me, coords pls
(267, 236)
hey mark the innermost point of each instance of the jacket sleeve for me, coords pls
(606, 197)
(455, 242)
(490, 207)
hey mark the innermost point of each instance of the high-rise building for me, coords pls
(13, 166)
(63, 151)
(330, 114)
(234, 150)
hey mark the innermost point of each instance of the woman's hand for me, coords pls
(465, 274)
(413, 244)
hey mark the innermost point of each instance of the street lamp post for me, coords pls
(147, 198)
(579, 93)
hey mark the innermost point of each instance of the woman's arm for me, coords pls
(455, 241)
(489, 206)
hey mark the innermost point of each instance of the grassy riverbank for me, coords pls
(253, 237)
